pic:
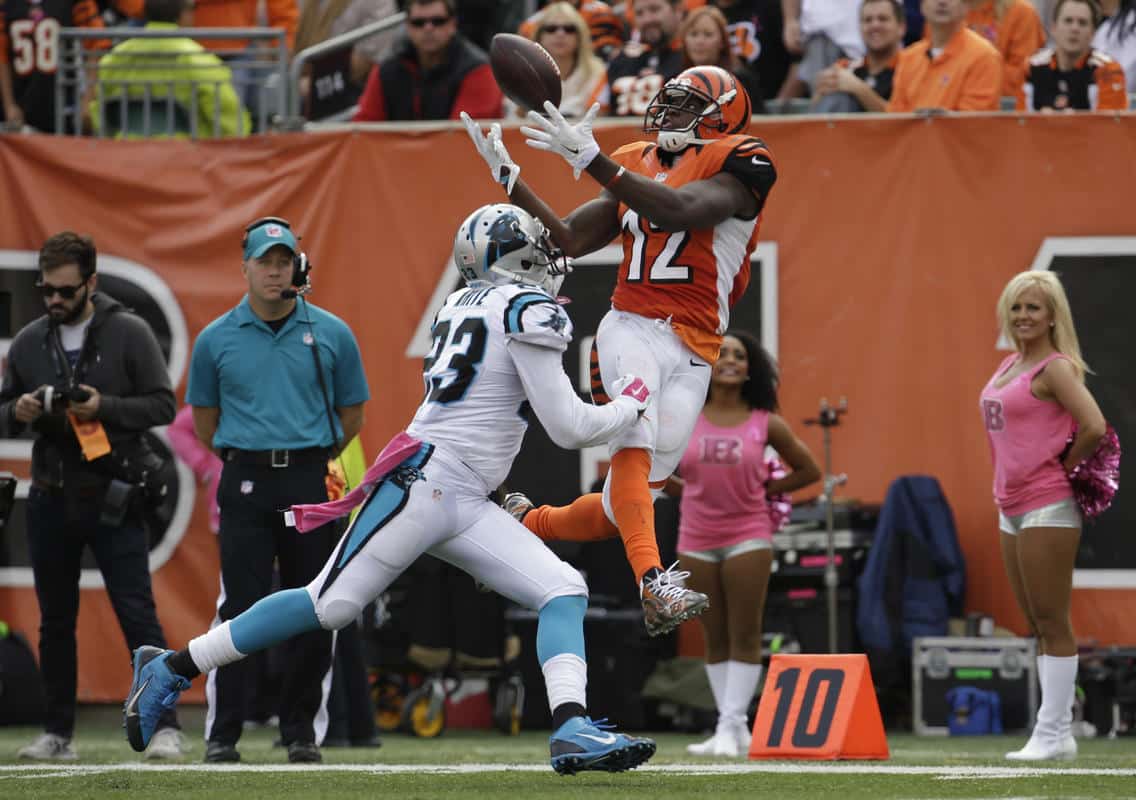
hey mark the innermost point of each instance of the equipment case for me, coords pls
(1005, 665)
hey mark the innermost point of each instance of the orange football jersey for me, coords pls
(692, 277)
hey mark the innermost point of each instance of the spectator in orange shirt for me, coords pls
(231, 14)
(953, 68)
(1072, 75)
(1015, 28)
(865, 84)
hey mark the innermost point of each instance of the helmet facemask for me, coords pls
(684, 115)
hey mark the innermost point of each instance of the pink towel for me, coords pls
(205, 464)
(310, 516)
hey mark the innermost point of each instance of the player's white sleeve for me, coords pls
(571, 423)
(533, 317)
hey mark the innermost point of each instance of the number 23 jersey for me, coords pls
(475, 404)
(693, 277)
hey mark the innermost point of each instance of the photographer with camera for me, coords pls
(88, 379)
(277, 388)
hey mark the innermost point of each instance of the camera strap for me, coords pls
(319, 377)
(90, 433)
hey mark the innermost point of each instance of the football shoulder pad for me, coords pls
(749, 161)
(533, 317)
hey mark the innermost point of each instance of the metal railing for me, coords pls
(308, 55)
(259, 75)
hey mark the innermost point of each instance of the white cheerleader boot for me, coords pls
(1052, 738)
(1046, 747)
(743, 736)
(729, 744)
(705, 748)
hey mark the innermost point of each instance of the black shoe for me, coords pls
(304, 753)
(221, 753)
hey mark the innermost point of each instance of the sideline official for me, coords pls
(277, 386)
(88, 378)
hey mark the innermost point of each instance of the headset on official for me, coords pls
(301, 267)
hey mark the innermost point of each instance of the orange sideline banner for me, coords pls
(894, 238)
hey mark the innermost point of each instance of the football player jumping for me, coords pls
(498, 346)
(687, 207)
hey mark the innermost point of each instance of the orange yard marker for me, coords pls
(819, 707)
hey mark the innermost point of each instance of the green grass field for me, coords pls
(489, 765)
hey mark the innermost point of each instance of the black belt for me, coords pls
(275, 458)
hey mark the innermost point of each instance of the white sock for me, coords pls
(566, 680)
(214, 649)
(1058, 686)
(718, 674)
(741, 684)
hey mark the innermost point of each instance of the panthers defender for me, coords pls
(687, 207)
(498, 345)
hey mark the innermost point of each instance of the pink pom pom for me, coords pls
(779, 505)
(1096, 479)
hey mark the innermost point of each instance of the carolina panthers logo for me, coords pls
(558, 322)
(505, 236)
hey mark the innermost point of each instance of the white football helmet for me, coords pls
(501, 244)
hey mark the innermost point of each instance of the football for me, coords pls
(525, 71)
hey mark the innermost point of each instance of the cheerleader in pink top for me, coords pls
(1029, 408)
(725, 532)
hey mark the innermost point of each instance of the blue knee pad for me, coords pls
(560, 627)
(273, 619)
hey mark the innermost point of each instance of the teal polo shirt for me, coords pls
(265, 383)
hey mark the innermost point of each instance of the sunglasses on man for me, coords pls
(65, 292)
(422, 22)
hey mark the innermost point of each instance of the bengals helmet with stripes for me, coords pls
(698, 105)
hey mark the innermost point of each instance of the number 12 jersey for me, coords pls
(691, 277)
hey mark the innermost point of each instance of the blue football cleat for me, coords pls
(154, 689)
(581, 744)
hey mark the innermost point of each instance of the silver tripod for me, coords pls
(829, 418)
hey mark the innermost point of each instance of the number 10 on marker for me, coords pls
(818, 707)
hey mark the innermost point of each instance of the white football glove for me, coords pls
(492, 149)
(575, 143)
(634, 389)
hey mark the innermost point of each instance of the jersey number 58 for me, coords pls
(35, 45)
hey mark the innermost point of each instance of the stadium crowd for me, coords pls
(820, 56)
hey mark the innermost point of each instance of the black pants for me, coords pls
(252, 537)
(56, 544)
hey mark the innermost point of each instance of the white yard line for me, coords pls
(943, 772)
